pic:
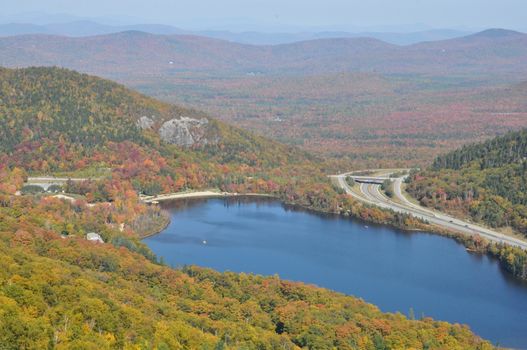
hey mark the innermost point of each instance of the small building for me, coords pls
(94, 237)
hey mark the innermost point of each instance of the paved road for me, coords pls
(55, 179)
(371, 194)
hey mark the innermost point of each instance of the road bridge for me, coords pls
(375, 180)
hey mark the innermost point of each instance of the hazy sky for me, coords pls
(203, 14)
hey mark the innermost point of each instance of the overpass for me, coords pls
(374, 180)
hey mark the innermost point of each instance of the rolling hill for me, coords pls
(134, 53)
(58, 290)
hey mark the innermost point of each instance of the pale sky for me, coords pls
(280, 14)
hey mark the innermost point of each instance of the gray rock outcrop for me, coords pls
(185, 132)
(145, 123)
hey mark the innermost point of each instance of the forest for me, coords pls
(59, 290)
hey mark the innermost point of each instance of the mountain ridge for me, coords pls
(497, 32)
(87, 27)
(135, 52)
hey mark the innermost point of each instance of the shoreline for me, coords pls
(200, 194)
(157, 231)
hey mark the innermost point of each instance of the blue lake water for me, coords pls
(393, 269)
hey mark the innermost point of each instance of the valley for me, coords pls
(165, 190)
(370, 120)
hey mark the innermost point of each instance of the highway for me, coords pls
(371, 193)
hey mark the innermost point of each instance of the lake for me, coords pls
(394, 269)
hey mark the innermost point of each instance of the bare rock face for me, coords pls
(185, 132)
(182, 131)
(145, 123)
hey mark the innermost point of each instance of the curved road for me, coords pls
(371, 194)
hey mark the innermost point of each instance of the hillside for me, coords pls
(495, 153)
(58, 290)
(136, 53)
(94, 113)
(487, 181)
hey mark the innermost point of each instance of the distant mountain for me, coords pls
(496, 33)
(80, 28)
(134, 53)
(128, 52)
(257, 38)
(83, 28)
(21, 29)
